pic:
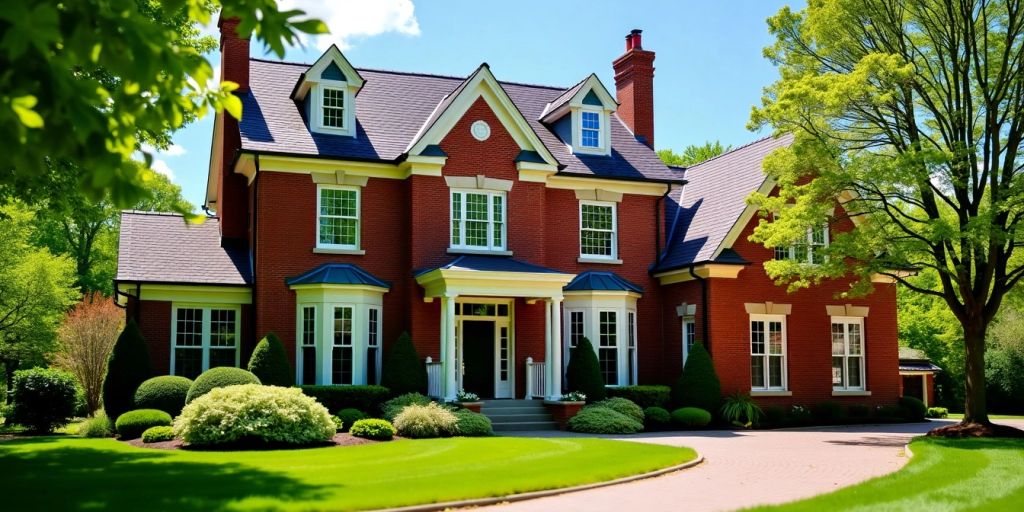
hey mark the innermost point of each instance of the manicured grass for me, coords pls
(67, 473)
(943, 475)
(960, 416)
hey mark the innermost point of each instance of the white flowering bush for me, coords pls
(254, 413)
(431, 420)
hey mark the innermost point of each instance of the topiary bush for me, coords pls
(132, 424)
(917, 409)
(127, 368)
(219, 377)
(336, 398)
(644, 396)
(691, 417)
(349, 416)
(698, 386)
(97, 426)
(251, 413)
(422, 421)
(42, 399)
(937, 412)
(584, 372)
(656, 418)
(166, 393)
(623, 406)
(603, 420)
(403, 371)
(158, 434)
(269, 362)
(828, 413)
(380, 430)
(393, 407)
(472, 424)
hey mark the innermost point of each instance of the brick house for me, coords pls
(498, 223)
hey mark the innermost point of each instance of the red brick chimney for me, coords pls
(634, 87)
(232, 190)
(234, 54)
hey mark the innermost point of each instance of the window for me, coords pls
(333, 107)
(767, 352)
(631, 347)
(689, 336)
(338, 341)
(338, 217)
(203, 337)
(478, 220)
(590, 129)
(373, 346)
(807, 250)
(307, 356)
(341, 354)
(575, 328)
(847, 354)
(608, 347)
(598, 230)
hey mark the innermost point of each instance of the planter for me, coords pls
(562, 412)
(471, 406)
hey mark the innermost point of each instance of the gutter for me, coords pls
(657, 224)
(252, 247)
(703, 307)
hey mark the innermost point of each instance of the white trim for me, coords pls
(614, 256)
(767, 355)
(689, 324)
(838, 392)
(591, 305)
(491, 246)
(317, 107)
(809, 247)
(358, 218)
(502, 389)
(203, 294)
(204, 345)
(846, 322)
(741, 223)
(324, 299)
(603, 133)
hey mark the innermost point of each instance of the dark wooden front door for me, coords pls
(478, 357)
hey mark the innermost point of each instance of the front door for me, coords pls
(478, 357)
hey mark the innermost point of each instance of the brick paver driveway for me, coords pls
(743, 469)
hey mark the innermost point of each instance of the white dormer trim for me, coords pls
(604, 133)
(311, 85)
(575, 108)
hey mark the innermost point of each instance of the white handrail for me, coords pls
(435, 379)
(534, 379)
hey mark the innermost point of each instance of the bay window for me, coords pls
(203, 337)
(340, 343)
(610, 323)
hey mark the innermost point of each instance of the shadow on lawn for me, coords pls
(76, 478)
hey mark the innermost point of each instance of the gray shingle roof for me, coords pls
(712, 201)
(163, 248)
(392, 107)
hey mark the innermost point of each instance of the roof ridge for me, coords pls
(150, 212)
(731, 151)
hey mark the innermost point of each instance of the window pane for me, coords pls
(775, 371)
(837, 371)
(608, 341)
(222, 357)
(339, 216)
(334, 108)
(590, 130)
(757, 371)
(222, 329)
(854, 338)
(854, 374)
(503, 354)
(189, 328)
(756, 337)
(372, 346)
(456, 218)
(188, 362)
(308, 326)
(838, 340)
(575, 328)
(341, 357)
(775, 338)
(596, 229)
(309, 365)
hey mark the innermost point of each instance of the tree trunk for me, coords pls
(10, 366)
(975, 405)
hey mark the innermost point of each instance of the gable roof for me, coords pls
(338, 273)
(589, 91)
(481, 263)
(713, 203)
(601, 280)
(164, 248)
(331, 57)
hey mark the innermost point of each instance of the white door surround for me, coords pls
(501, 313)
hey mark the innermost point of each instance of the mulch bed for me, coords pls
(962, 430)
(339, 439)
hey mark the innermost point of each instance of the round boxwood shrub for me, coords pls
(916, 407)
(97, 426)
(431, 420)
(393, 407)
(656, 418)
(623, 406)
(157, 434)
(219, 377)
(127, 367)
(269, 362)
(349, 416)
(166, 393)
(381, 430)
(698, 386)
(583, 372)
(132, 424)
(43, 399)
(603, 420)
(403, 371)
(472, 424)
(251, 413)
(691, 417)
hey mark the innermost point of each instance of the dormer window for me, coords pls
(326, 93)
(590, 129)
(581, 117)
(333, 105)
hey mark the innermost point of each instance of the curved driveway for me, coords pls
(747, 468)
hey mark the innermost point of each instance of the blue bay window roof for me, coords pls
(338, 273)
(601, 280)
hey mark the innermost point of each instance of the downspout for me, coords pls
(703, 307)
(252, 252)
(657, 223)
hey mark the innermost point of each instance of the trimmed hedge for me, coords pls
(43, 399)
(166, 393)
(472, 424)
(132, 424)
(393, 407)
(269, 362)
(127, 368)
(157, 434)
(644, 396)
(583, 372)
(219, 377)
(623, 406)
(337, 398)
(828, 413)
(698, 386)
(380, 430)
(937, 412)
(423, 421)
(348, 417)
(917, 409)
(656, 418)
(403, 371)
(691, 417)
(603, 420)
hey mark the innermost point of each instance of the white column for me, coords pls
(448, 345)
(548, 353)
(555, 361)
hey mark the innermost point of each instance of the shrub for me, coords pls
(133, 423)
(698, 386)
(269, 362)
(403, 371)
(603, 420)
(97, 426)
(166, 393)
(774, 416)
(691, 417)
(656, 418)
(739, 409)
(858, 411)
(157, 434)
(43, 399)
(916, 408)
(644, 396)
(380, 430)
(219, 377)
(127, 368)
(828, 412)
(800, 414)
(421, 421)
(349, 416)
(892, 413)
(336, 398)
(254, 413)
(623, 406)
(472, 424)
(584, 372)
(87, 336)
(393, 407)
(937, 412)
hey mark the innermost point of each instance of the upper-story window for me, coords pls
(333, 107)
(337, 217)
(478, 220)
(590, 129)
(809, 249)
(598, 230)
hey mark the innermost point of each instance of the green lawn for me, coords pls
(960, 416)
(67, 473)
(943, 475)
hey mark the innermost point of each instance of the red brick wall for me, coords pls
(672, 334)
(634, 85)
(154, 318)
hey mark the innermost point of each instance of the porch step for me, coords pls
(518, 415)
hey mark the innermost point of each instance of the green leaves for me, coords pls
(22, 106)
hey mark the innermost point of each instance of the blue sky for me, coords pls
(709, 66)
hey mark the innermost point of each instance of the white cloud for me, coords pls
(172, 150)
(161, 167)
(349, 20)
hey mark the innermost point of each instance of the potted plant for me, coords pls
(468, 400)
(564, 409)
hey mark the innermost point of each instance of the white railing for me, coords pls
(534, 379)
(435, 378)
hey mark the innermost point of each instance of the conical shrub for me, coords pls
(127, 367)
(698, 386)
(269, 362)
(584, 372)
(403, 371)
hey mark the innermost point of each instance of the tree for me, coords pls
(88, 81)
(698, 386)
(127, 368)
(86, 338)
(583, 373)
(403, 370)
(693, 154)
(912, 115)
(269, 362)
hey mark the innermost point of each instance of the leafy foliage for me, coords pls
(937, 412)
(158, 434)
(166, 393)
(423, 421)
(97, 426)
(42, 399)
(594, 419)
(393, 407)
(217, 378)
(624, 407)
(473, 424)
(644, 396)
(86, 338)
(698, 386)
(132, 424)
(916, 407)
(693, 154)
(336, 398)
(377, 429)
(739, 409)
(583, 372)
(656, 418)
(348, 417)
(403, 371)
(269, 362)
(691, 417)
(127, 368)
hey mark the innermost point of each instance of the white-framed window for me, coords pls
(608, 346)
(631, 368)
(576, 331)
(331, 108)
(478, 220)
(848, 353)
(373, 352)
(342, 350)
(337, 217)
(307, 359)
(807, 250)
(204, 337)
(689, 336)
(611, 324)
(598, 230)
(590, 129)
(768, 352)
(339, 343)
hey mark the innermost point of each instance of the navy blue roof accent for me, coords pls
(433, 150)
(480, 263)
(338, 273)
(332, 72)
(529, 156)
(731, 257)
(601, 280)
(592, 99)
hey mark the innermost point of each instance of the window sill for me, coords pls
(770, 393)
(488, 252)
(606, 261)
(328, 250)
(839, 392)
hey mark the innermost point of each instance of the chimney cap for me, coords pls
(635, 31)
